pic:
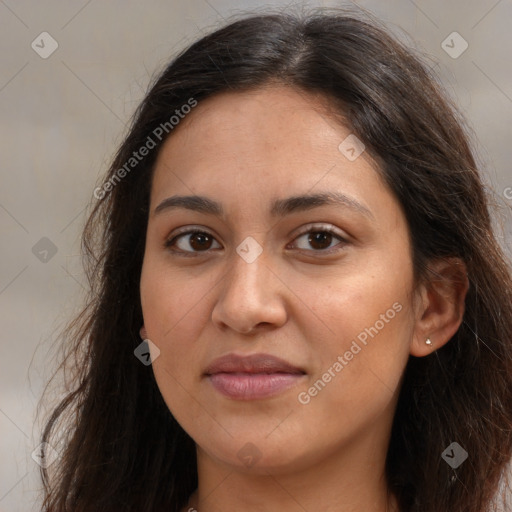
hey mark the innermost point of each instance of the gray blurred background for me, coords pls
(62, 115)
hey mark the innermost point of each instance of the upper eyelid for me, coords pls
(314, 226)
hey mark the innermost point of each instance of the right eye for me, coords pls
(191, 241)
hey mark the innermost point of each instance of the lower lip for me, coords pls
(252, 386)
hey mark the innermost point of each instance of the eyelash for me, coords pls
(317, 229)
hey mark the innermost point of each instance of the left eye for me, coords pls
(320, 239)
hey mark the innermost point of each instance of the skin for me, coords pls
(245, 150)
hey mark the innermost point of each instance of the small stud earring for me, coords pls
(428, 341)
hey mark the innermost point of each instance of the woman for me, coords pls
(296, 229)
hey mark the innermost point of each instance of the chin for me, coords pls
(254, 453)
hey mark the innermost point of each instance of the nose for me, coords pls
(251, 296)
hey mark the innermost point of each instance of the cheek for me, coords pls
(363, 314)
(174, 315)
(343, 304)
(172, 301)
(174, 310)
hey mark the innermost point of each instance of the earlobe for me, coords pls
(443, 305)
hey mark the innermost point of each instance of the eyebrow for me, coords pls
(279, 208)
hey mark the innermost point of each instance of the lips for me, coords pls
(252, 377)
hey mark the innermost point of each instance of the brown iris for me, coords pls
(200, 241)
(320, 237)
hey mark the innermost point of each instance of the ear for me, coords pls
(440, 306)
(142, 332)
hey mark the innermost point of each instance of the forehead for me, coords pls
(274, 141)
(272, 118)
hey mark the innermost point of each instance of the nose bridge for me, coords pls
(248, 269)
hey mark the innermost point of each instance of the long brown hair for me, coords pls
(120, 447)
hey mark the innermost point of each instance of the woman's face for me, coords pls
(323, 284)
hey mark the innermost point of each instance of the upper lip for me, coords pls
(255, 363)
